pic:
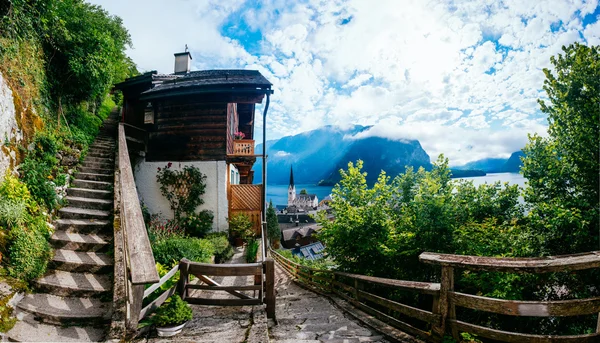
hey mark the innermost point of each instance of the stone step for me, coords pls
(62, 283)
(109, 171)
(84, 213)
(81, 261)
(61, 239)
(53, 309)
(95, 177)
(101, 185)
(107, 160)
(84, 225)
(91, 203)
(89, 164)
(102, 153)
(90, 193)
(29, 330)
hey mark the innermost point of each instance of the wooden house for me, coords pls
(191, 118)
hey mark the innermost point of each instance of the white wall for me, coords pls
(9, 128)
(215, 196)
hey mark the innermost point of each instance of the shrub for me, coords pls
(174, 249)
(251, 251)
(223, 250)
(198, 225)
(29, 253)
(159, 229)
(173, 312)
(162, 271)
(13, 189)
(182, 188)
(240, 226)
(12, 212)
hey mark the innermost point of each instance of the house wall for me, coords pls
(215, 196)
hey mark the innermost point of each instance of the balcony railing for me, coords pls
(243, 147)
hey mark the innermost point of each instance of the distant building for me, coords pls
(299, 236)
(300, 202)
(312, 251)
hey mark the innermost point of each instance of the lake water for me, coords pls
(278, 193)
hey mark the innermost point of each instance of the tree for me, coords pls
(563, 169)
(273, 231)
(303, 191)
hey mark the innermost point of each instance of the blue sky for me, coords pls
(462, 77)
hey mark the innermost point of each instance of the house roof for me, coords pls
(299, 232)
(306, 196)
(212, 81)
(313, 251)
(291, 218)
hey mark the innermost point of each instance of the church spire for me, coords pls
(291, 177)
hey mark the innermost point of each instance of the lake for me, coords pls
(278, 193)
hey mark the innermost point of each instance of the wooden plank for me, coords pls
(410, 311)
(151, 307)
(344, 286)
(225, 269)
(225, 288)
(527, 308)
(270, 287)
(421, 287)
(223, 302)
(212, 282)
(512, 337)
(516, 265)
(135, 306)
(163, 279)
(142, 266)
(384, 317)
(447, 285)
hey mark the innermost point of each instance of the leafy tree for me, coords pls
(273, 231)
(303, 191)
(563, 169)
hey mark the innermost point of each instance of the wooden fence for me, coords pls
(263, 287)
(441, 319)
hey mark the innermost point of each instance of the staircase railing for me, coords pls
(441, 319)
(134, 262)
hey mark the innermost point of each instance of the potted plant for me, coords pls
(238, 135)
(172, 316)
(240, 229)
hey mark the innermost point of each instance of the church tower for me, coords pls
(291, 189)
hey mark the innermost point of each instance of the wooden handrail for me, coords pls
(142, 267)
(516, 265)
(442, 319)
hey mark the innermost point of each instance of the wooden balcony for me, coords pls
(246, 199)
(243, 147)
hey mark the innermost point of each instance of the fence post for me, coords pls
(135, 307)
(443, 307)
(270, 287)
(331, 284)
(183, 278)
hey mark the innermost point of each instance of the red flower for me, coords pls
(169, 165)
(158, 168)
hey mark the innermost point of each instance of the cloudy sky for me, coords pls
(462, 77)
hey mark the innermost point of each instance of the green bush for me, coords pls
(29, 253)
(223, 250)
(159, 229)
(251, 250)
(162, 271)
(172, 250)
(173, 312)
(199, 224)
(240, 226)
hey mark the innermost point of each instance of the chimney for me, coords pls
(182, 62)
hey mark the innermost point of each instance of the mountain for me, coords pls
(380, 154)
(496, 165)
(319, 154)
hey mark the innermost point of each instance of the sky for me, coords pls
(462, 77)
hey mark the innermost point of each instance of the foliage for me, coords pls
(160, 229)
(173, 312)
(303, 191)
(162, 271)
(240, 226)
(172, 250)
(252, 250)
(223, 250)
(322, 264)
(562, 170)
(381, 230)
(6, 320)
(29, 253)
(182, 188)
(198, 225)
(273, 231)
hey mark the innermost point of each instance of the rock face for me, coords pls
(9, 130)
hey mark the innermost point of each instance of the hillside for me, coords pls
(320, 154)
(496, 165)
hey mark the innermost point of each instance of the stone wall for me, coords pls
(10, 135)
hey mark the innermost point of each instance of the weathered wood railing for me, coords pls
(565, 263)
(243, 147)
(138, 265)
(442, 318)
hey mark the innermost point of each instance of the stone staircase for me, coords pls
(74, 299)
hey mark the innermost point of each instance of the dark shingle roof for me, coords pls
(306, 196)
(221, 79)
(312, 251)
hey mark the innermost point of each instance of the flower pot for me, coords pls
(168, 331)
(238, 242)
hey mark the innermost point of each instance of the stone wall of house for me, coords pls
(215, 197)
(10, 135)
